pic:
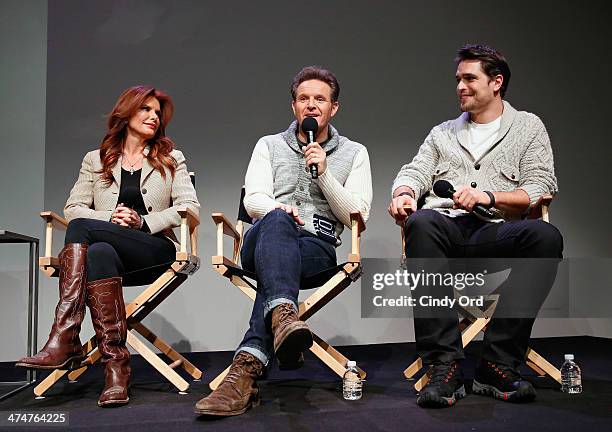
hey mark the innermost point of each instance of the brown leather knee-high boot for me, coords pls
(105, 301)
(63, 348)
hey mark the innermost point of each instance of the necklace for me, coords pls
(132, 164)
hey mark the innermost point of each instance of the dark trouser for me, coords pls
(115, 250)
(430, 234)
(282, 256)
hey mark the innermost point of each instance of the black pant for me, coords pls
(430, 234)
(116, 251)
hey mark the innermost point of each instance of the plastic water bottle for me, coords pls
(351, 382)
(571, 380)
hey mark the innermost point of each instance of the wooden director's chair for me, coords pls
(331, 282)
(475, 320)
(185, 264)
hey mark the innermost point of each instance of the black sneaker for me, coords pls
(502, 382)
(444, 388)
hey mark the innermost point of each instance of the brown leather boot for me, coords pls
(63, 348)
(105, 301)
(237, 392)
(291, 336)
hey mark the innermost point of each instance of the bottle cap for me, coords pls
(351, 363)
(569, 356)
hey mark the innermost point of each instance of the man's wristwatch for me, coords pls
(492, 198)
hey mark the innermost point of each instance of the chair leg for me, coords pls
(324, 351)
(473, 329)
(163, 286)
(215, 383)
(57, 374)
(92, 355)
(334, 359)
(51, 379)
(422, 382)
(172, 354)
(468, 334)
(536, 369)
(412, 370)
(156, 362)
(542, 364)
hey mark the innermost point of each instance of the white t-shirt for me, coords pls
(482, 136)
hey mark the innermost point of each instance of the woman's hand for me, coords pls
(126, 217)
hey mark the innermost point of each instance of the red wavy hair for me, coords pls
(160, 146)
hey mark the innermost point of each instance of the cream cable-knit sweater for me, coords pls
(521, 158)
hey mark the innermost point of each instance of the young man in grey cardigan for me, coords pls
(298, 225)
(498, 158)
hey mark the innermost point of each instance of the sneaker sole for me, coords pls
(429, 401)
(297, 338)
(514, 396)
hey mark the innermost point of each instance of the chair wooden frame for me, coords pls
(346, 274)
(186, 263)
(475, 320)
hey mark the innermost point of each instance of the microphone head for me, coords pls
(443, 189)
(130, 196)
(309, 124)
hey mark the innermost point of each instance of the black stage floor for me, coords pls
(310, 399)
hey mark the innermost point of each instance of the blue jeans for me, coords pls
(282, 256)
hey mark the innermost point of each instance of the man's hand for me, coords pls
(291, 211)
(467, 197)
(126, 217)
(315, 155)
(397, 211)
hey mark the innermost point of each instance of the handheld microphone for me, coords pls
(310, 127)
(444, 189)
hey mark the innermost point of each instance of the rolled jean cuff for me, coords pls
(271, 304)
(256, 352)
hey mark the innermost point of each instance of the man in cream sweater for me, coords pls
(298, 222)
(501, 159)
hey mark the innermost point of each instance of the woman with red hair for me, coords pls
(121, 210)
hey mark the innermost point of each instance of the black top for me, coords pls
(129, 193)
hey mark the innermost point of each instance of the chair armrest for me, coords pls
(540, 208)
(357, 227)
(56, 220)
(193, 220)
(358, 218)
(52, 220)
(228, 228)
(189, 222)
(224, 226)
